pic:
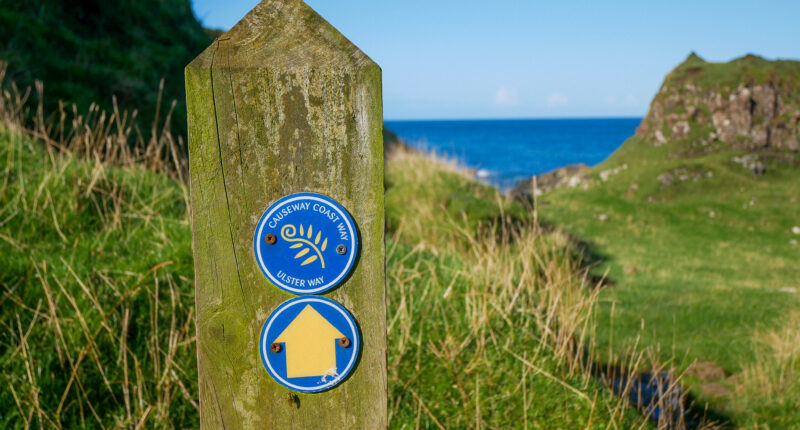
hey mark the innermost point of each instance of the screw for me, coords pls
(344, 342)
(341, 249)
(271, 239)
(275, 347)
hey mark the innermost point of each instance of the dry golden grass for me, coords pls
(112, 138)
(772, 382)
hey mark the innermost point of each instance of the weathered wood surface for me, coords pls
(282, 103)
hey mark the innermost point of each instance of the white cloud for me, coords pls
(628, 100)
(506, 97)
(557, 99)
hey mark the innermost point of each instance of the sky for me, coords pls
(467, 59)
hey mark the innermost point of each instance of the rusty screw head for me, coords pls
(271, 239)
(275, 347)
(341, 249)
(344, 342)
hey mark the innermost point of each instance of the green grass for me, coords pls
(430, 195)
(696, 268)
(486, 313)
(748, 70)
(97, 298)
(472, 283)
(769, 387)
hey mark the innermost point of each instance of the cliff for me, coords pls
(749, 103)
(743, 113)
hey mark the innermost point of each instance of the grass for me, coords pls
(440, 195)
(748, 70)
(97, 302)
(696, 268)
(769, 387)
(490, 317)
(485, 324)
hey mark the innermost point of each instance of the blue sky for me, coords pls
(531, 59)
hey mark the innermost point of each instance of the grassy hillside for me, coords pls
(471, 291)
(87, 51)
(486, 313)
(701, 253)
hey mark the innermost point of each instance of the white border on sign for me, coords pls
(260, 260)
(299, 300)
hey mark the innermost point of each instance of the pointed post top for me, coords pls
(282, 34)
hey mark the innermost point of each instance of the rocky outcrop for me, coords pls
(569, 176)
(748, 103)
(748, 106)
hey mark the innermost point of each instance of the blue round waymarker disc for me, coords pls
(309, 344)
(305, 243)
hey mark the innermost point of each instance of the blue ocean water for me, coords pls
(507, 151)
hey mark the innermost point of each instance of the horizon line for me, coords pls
(549, 118)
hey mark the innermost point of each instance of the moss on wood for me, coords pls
(282, 103)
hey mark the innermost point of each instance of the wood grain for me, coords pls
(282, 103)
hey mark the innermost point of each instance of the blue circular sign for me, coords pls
(306, 243)
(309, 344)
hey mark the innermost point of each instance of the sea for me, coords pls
(504, 152)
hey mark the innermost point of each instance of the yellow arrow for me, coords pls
(310, 345)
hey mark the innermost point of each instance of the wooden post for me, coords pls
(282, 103)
